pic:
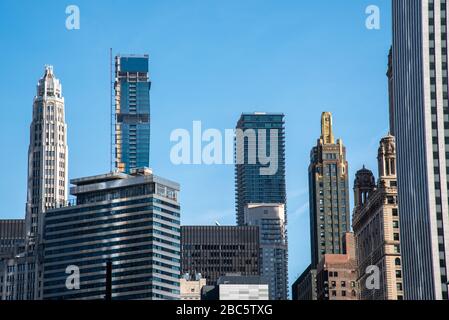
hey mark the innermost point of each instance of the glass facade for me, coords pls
(132, 106)
(123, 221)
(251, 185)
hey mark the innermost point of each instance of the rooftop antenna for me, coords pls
(217, 223)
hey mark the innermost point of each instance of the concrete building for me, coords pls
(191, 287)
(12, 236)
(304, 288)
(132, 112)
(47, 156)
(249, 288)
(47, 188)
(328, 192)
(215, 251)
(270, 218)
(376, 226)
(421, 122)
(132, 220)
(336, 274)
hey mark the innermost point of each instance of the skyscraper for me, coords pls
(270, 218)
(260, 188)
(258, 136)
(132, 112)
(131, 220)
(328, 191)
(376, 226)
(421, 120)
(47, 187)
(47, 155)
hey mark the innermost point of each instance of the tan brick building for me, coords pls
(337, 274)
(376, 228)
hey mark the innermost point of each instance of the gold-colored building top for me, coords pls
(327, 136)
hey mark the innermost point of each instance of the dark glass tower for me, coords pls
(328, 190)
(253, 185)
(132, 108)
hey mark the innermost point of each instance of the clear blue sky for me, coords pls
(210, 61)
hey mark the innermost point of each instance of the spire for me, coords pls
(326, 128)
(49, 85)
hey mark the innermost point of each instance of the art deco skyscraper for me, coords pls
(421, 121)
(132, 113)
(47, 154)
(328, 191)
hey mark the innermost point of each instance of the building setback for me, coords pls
(215, 251)
(132, 112)
(377, 228)
(131, 220)
(328, 192)
(46, 189)
(421, 123)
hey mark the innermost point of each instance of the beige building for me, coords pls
(191, 288)
(336, 274)
(376, 228)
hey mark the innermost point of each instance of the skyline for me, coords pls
(253, 97)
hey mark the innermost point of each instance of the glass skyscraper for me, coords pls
(260, 191)
(130, 220)
(260, 133)
(421, 121)
(132, 112)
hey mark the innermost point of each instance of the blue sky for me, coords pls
(210, 61)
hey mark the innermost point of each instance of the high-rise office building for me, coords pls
(376, 226)
(132, 112)
(47, 155)
(130, 220)
(270, 218)
(215, 251)
(259, 180)
(421, 123)
(328, 192)
(47, 188)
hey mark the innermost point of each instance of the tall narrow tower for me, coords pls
(47, 155)
(132, 108)
(421, 123)
(328, 190)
